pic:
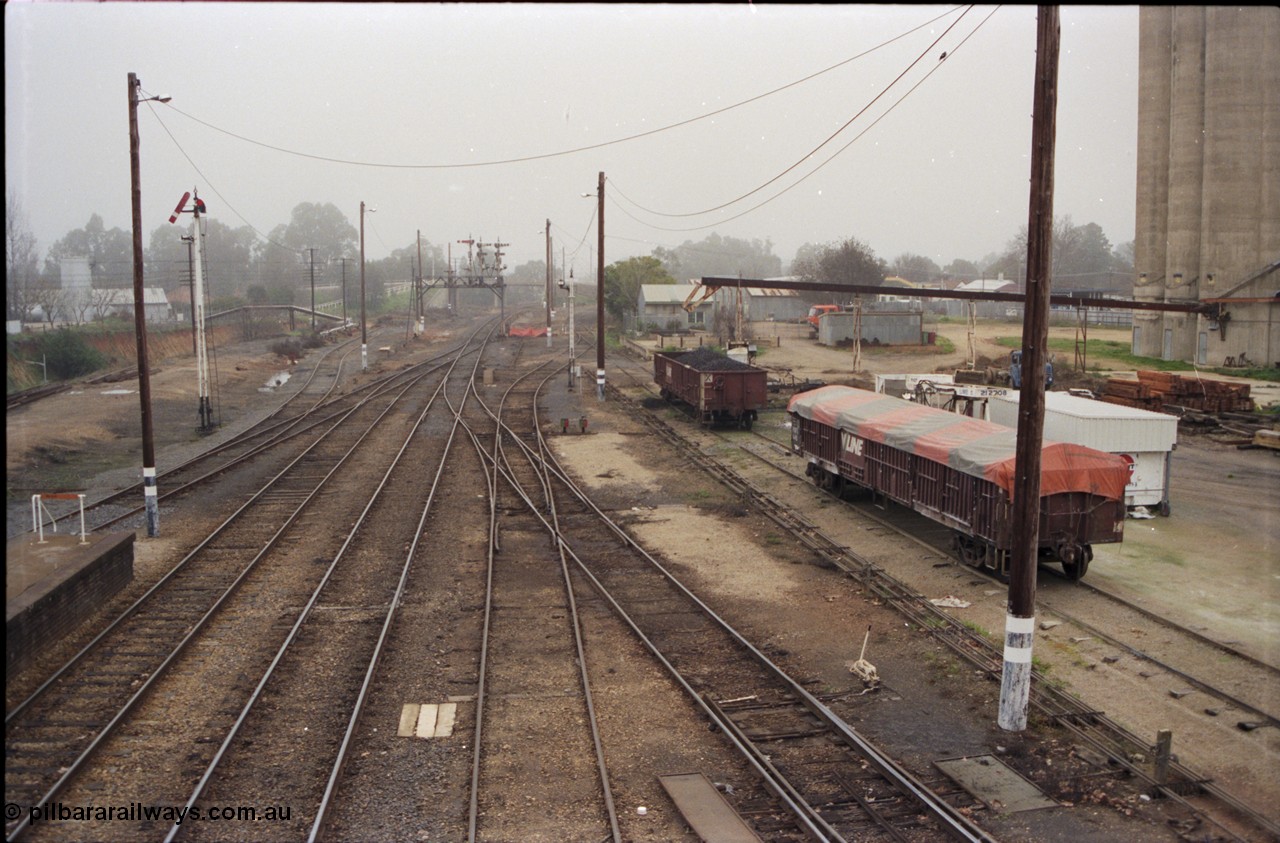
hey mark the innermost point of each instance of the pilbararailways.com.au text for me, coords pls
(139, 812)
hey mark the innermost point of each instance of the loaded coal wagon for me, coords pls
(719, 389)
(959, 472)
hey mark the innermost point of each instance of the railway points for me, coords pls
(929, 706)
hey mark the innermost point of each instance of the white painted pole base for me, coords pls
(152, 500)
(600, 384)
(1015, 683)
(364, 356)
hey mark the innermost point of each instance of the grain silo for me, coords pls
(1208, 182)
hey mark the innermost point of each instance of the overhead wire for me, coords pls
(563, 152)
(716, 112)
(831, 158)
(927, 51)
(215, 190)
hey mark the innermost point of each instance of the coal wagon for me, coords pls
(719, 389)
(959, 472)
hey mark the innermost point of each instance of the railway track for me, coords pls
(820, 777)
(911, 526)
(310, 407)
(1108, 737)
(102, 703)
(308, 704)
(936, 538)
(530, 618)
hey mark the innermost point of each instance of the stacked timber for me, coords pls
(1160, 390)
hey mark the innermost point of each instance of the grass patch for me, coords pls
(1121, 352)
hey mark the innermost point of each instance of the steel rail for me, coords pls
(955, 823)
(74, 767)
(1162, 620)
(279, 433)
(320, 823)
(1070, 713)
(211, 768)
(496, 461)
(805, 814)
(135, 606)
(1212, 690)
(230, 443)
(539, 467)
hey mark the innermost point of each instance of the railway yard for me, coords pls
(449, 598)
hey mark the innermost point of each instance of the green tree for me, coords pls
(527, 283)
(228, 255)
(110, 253)
(720, 256)
(1082, 258)
(849, 261)
(274, 263)
(622, 281)
(165, 260)
(917, 268)
(323, 228)
(962, 269)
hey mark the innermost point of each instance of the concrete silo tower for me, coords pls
(1208, 191)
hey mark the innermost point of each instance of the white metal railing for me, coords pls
(38, 508)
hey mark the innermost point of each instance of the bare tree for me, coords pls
(50, 298)
(101, 302)
(20, 259)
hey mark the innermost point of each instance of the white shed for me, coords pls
(1145, 438)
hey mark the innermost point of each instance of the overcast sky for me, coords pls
(401, 95)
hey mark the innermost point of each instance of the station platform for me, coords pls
(51, 587)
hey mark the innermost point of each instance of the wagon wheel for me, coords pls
(966, 550)
(1075, 570)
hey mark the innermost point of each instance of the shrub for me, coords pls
(290, 348)
(68, 355)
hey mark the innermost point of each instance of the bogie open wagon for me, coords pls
(959, 471)
(719, 389)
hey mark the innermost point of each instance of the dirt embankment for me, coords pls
(119, 348)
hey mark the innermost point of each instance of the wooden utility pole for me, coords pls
(1020, 622)
(548, 283)
(364, 331)
(600, 291)
(344, 290)
(312, 267)
(151, 498)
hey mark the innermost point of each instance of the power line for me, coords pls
(563, 152)
(833, 156)
(215, 190)
(928, 50)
